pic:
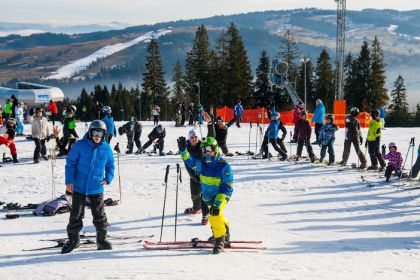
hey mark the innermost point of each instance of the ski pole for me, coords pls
(412, 158)
(290, 144)
(411, 145)
(117, 149)
(178, 178)
(249, 138)
(164, 201)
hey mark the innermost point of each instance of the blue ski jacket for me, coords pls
(319, 114)
(88, 164)
(216, 177)
(110, 125)
(327, 133)
(239, 110)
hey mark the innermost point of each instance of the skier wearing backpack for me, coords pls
(89, 167)
(216, 180)
(394, 158)
(326, 140)
(109, 122)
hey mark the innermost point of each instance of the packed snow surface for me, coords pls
(71, 69)
(316, 222)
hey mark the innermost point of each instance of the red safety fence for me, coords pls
(260, 115)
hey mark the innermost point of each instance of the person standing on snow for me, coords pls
(89, 167)
(109, 122)
(318, 118)
(304, 137)
(133, 131)
(296, 119)
(271, 136)
(395, 160)
(40, 134)
(326, 140)
(52, 108)
(238, 111)
(374, 141)
(353, 136)
(216, 180)
(155, 114)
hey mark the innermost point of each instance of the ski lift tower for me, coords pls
(340, 48)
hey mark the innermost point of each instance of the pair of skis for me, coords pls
(196, 244)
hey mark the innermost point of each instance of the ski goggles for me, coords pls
(208, 149)
(97, 133)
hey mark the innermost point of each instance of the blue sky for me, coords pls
(151, 11)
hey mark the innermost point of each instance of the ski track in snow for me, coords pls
(79, 65)
(316, 222)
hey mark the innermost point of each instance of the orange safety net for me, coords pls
(260, 115)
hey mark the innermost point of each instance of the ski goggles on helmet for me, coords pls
(208, 149)
(97, 133)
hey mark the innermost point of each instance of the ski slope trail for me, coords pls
(316, 222)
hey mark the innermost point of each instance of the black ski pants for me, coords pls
(346, 151)
(155, 120)
(160, 144)
(331, 154)
(223, 147)
(416, 168)
(39, 147)
(375, 155)
(273, 142)
(65, 140)
(133, 137)
(236, 119)
(295, 133)
(77, 213)
(318, 127)
(389, 169)
(307, 144)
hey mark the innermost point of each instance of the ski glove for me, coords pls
(182, 143)
(366, 144)
(383, 148)
(361, 140)
(214, 210)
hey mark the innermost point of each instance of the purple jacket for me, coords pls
(395, 159)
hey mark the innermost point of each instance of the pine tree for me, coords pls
(362, 90)
(155, 91)
(198, 67)
(179, 84)
(377, 92)
(416, 120)
(398, 110)
(324, 81)
(289, 52)
(239, 76)
(217, 80)
(262, 93)
(350, 82)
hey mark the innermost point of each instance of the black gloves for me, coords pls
(361, 140)
(383, 148)
(182, 143)
(214, 210)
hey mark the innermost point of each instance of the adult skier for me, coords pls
(109, 122)
(353, 136)
(326, 140)
(155, 114)
(238, 111)
(52, 108)
(304, 137)
(318, 118)
(89, 166)
(216, 180)
(156, 136)
(394, 158)
(374, 141)
(193, 146)
(7, 136)
(133, 131)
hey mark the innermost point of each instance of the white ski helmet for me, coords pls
(107, 110)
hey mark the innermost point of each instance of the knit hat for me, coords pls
(192, 133)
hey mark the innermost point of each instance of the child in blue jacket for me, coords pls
(109, 122)
(89, 166)
(327, 138)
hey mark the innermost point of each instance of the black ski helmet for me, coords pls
(97, 125)
(159, 128)
(330, 117)
(374, 113)
(354, 111)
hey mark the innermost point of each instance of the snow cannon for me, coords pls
(279, 70)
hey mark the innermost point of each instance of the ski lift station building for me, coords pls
(32, 93)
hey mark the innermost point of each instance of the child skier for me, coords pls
(304, 137)
(133, 130)
(271, 136)
(216, 180)
(374, 141)
(7, 136)
(327, 138)
(109, 122)
(89, 166)
(40, 134)
(69, 129)
(395, 160)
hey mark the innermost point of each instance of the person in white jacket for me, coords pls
(40, 134)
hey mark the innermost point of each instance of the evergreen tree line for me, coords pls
(219, 76)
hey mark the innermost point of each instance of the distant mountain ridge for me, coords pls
(39, 55)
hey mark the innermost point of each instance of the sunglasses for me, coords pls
(97, 133)
(208, 149)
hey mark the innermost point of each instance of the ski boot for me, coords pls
(219, 245)
(192, 211)
(15, 160)
(162, 154)
(380, 169)
(36, 160)
(373, 167)
(205, 220)
(139, 151)
(71, 244)
(101, 241)
(45, 157)
(128, 152)
(227, 238)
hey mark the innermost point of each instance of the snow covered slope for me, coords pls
(75, 67)
(317, 223)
